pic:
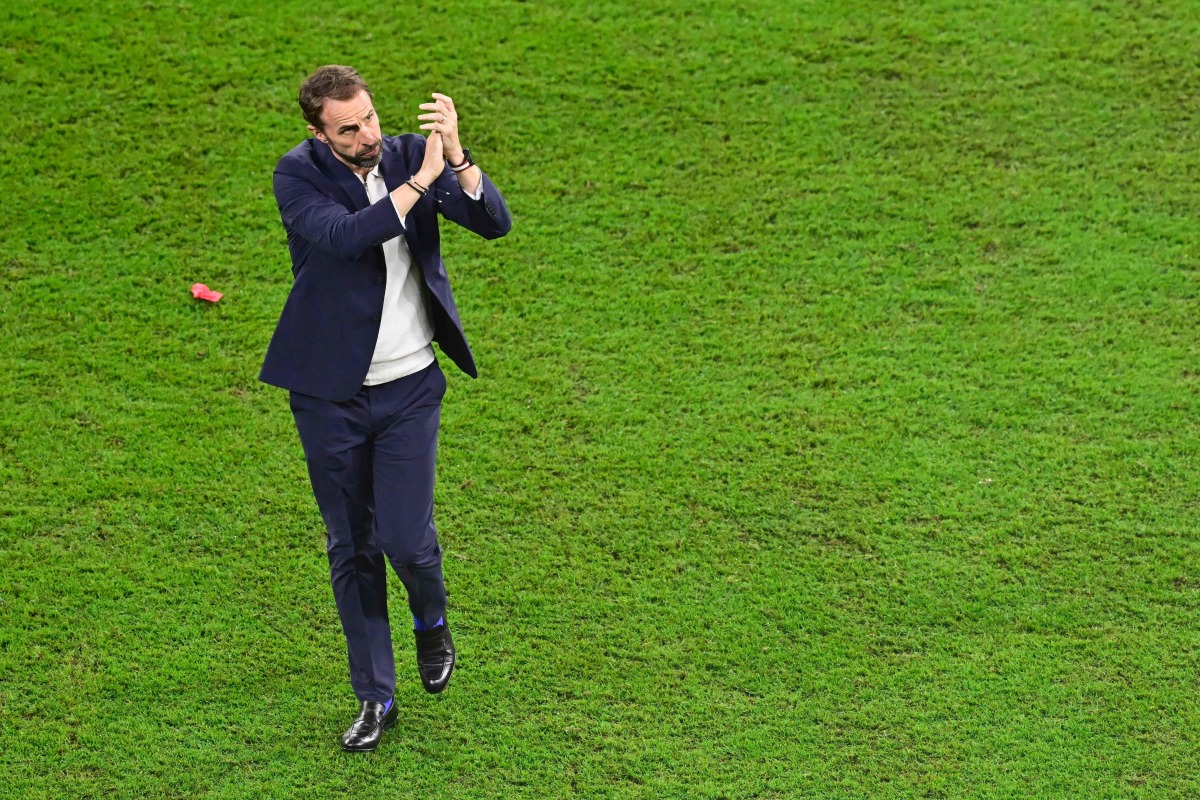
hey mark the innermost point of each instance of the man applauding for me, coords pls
(353, 346)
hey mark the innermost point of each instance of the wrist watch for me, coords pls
(467, 162)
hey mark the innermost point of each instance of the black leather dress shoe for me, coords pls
(435, 658)
(368, 728)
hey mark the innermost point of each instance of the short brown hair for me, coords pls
(329, 82)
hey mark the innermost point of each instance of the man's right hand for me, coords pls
(435, 160)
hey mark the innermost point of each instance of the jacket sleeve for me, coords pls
(488, 216)
(328, 224)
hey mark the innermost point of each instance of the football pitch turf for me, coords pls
(835, 437)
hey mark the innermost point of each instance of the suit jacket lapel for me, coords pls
(394, 170)
(350, 184)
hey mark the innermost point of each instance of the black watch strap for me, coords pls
(467, 163)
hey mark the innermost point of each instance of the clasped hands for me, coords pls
(442, 144)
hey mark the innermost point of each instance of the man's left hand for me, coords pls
(444, 119)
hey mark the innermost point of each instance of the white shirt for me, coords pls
(405, 330)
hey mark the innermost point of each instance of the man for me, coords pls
(353, 347)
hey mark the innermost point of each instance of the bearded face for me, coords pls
(352, 132)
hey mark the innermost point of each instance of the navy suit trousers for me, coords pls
(371, 463)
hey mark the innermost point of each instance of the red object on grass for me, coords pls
(202, 292)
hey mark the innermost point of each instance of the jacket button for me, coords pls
(381, 280)
(374, 318)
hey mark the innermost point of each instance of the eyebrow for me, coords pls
(354, 126)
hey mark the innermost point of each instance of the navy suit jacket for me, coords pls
(326, 334)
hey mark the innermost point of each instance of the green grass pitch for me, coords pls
(836, 435)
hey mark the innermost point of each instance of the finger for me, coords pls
(443, 98)
(440, 108)
(440, 118)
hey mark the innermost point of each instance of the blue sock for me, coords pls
(388, 705)
(418, 625)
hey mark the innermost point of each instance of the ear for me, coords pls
(320, 136)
